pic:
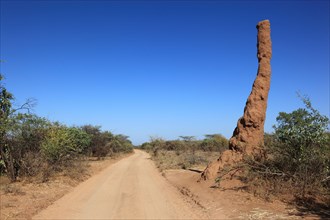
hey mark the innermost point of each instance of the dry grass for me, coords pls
(259, 214)
(12, 189)
(184, 160)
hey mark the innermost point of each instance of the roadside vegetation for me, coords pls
(295, 165)
(35, 148)
(297, 162)
(186, 152)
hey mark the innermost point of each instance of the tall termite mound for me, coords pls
(248, 136)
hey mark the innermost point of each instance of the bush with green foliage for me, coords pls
(298, 153)
(214, 142)
(64, 143)
(121, 143)
(156, 145)
(19, 132)
(146, 146)
(100, 141)
(176, 145)
(30, 145)
(24, 139)
(6, 111)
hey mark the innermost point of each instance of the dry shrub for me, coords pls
(44, 175)
(76, 170)
(12, 189)
(173, 160)
(303, 184)
(298, 162)
(36, 169)
(31, 164)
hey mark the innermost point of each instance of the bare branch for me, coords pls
(27, 106)
(325, 179)
(271, 173)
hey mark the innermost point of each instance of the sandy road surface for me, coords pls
(130, 189)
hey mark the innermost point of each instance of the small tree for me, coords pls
(64, 144)
(301, 150)
(121, 143)
(298, 155)
(190, 142)
(214, 142)
(100, 141)
(8, 120)
(23, 140)
(157, 144)
(301, 132)
(6, 99)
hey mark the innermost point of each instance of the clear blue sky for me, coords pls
(165, 68)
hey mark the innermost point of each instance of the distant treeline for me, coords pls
(211, 142)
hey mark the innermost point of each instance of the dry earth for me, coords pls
(23, 199)
(133, 188)
(232, 202)
(129, 189)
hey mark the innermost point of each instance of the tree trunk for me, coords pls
(8, 160)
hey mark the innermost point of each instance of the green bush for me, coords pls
(63, 143)
(31, 145)
(100, 141)
(298, 153)
(146, 146)
(156, 145)
(23, 138)
(214, 142)
(30, 132)
(121, 143)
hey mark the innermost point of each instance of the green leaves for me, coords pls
(300, 150)
(301, 130)
(104, 143)
(64, 143)
(214, 142)
(5, 106)
(28, 141)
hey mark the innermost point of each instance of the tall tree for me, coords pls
(6, 99)
(8, 119)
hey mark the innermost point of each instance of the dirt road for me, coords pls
(130, 189)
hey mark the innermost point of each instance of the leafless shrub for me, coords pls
(13, 189)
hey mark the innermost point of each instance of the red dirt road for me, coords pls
(129, 189)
